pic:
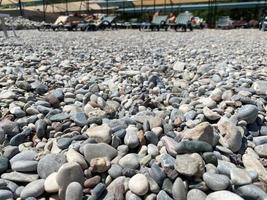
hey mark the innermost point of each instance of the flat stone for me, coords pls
(253, 164)
(3, 164)
(50, 184)
(74, 191)
(33, 189)
(251, 192)
(6, 194)
(260, 140)
(116, 188)
(248, 113)
(232, 136)
(19, 177)
(7, 94)
(9, 127)
(64, 143)
(59, 117)
(100, 133)
(196, 194)
(162, 195)
(188, 165)
(210, 115)
(225, 167)
(115, 171)
(240, 177)
(79, 118)
(157, 174)
(216, 182)
(223, 195)
(138, 184)
(130, 138)
(203, 132)
(193, 146)
(261, 150)
(50, 163)
(260, 87)
(99, 150)
(69, 172)
(129, 161)
(74, 156)
(24, 166)
(179, 191)
(40, 128)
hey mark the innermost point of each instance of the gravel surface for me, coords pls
(134, 115)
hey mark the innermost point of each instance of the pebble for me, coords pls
(100, 133)
(188, 165)
(223, 195)
(67, 173)
(252, 192)
(248, 113)
(33, 189)
(3, 164)
(129, 161)
(179, 192)
(216, 182)
(83, 120)
(6, 194)
(99, 150)
(138, 184)
(196, 194)
(240, 177)
(50, 184)
(50, 163)
(74, 191)
(24, 166)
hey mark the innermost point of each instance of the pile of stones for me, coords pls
(134, 115)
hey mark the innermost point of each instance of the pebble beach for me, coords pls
(130, 115)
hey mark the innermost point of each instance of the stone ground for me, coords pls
(175, 115)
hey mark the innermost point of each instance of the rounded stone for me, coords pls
(50, 184)
(74, 191)
(251, 192)
(196, 194)
(69, 172)
(74, 156)
(216, 182)
(100, 133)
(261, 150)
(129, 161)
(24, 165)
(248, 113)
(223, 195)
(6, 194)
(33, 189)
(179, 191)
(138, 184)
(3, 164)
(115, 171)
(49, 164)
(240, 177)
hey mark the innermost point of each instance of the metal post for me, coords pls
(4, 26)
(154, 4)
(165, 2)
(20, 8)
(67, 10)
(107, 7)
(142, 2)
(123, 5)
(44, 10)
